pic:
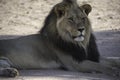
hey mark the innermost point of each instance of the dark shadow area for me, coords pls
(10, 36)
(62, 74)
(108, 42)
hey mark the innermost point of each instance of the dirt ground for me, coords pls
(24, 17)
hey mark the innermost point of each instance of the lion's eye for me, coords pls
(70, 19)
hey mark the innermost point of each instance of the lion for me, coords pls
(65, 42)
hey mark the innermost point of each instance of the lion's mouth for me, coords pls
(79, 38)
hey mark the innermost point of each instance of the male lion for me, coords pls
(65, 41)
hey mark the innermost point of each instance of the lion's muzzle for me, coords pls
(81, 35)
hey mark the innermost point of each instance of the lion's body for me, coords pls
(30, 52)
(35, 52)
(65, 41)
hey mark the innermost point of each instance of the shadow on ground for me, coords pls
(108, 44)
(57, 75)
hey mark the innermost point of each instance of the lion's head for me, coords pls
(68, 21)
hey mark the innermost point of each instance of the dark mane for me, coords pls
(49, 32)
(70, 1)
(79, 53)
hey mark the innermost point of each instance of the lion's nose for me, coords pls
(81, 29)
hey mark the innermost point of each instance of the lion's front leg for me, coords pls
(89, 66)
(111, 61)
(6, 70)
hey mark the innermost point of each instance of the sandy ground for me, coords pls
(24, 17)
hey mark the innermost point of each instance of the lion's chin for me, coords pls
(78, 39)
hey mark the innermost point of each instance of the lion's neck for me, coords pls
(78, 53)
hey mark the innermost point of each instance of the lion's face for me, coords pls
(72, 22)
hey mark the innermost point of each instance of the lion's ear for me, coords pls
(87, 8)
(60, 11)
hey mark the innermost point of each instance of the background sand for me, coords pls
(22, 17)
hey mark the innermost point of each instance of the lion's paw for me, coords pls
(10, 72)
(116, 73)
